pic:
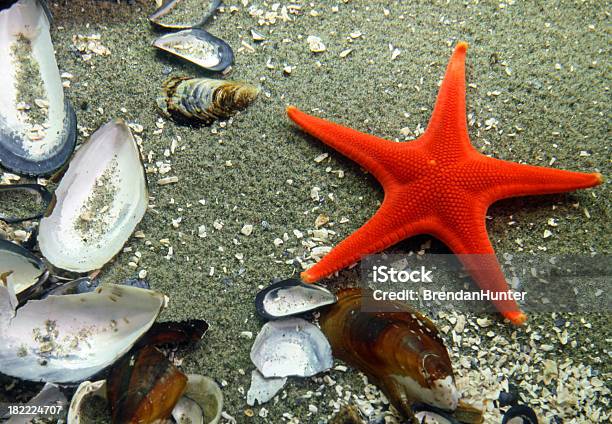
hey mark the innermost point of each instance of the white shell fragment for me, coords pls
(37, 124)
(85, 390)
(199, 47)
(263, 389)
(19, 267)
(50, 402)
(70, 338)
(291, 347)
(202, 402)
(100, 200)
(291, 297)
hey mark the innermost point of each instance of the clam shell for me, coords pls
(399, 349)
(99, 202)
(163, 17)
(199, 47)
(20, 268)
(204, 100)
(263, 389)
(67, 339)
(291, 347)
(202, 401)
(37, 123)
(291, 297)
(41, 195)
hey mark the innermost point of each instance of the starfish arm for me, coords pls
(466, 235)
(387, 227)
(447, 134)
(367, 150)
(499, 179)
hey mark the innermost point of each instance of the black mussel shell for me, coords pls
(522, 412)
(182, 333)
(31, 290)
(157, 17)
(43, 199)
(297, 298)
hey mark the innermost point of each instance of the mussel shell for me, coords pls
(263, 389)
(291, 297)
(399, 351)
(18, 151)
(144, 387)
(20, 268)
(429, 414)
(291, 347)
(67, 339)
(204, 100)
(199, 47)
(181, 333)
(43, 195)
(206, 394)
(523, 412)
(99, 201)
(85, 390)
(156, 18)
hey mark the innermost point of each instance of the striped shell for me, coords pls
(204, 100)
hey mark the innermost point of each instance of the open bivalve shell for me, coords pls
(199, 47)
(291, 297)
(202, 402)
(23, 202)
(99, 202)
(175, 14)
(20, 268)
(291, 347)
(37, 123)
(67, 339)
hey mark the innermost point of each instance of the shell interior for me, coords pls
(174, 14)
(199, 47)
(19, 267)
(291, 347)
(291, 297)
(37, 123)
(202, 401)
(263, 389)
(23, 202)
(69, 338)
(99, 202)
(85, 390)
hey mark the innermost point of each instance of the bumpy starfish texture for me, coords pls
(438, 184)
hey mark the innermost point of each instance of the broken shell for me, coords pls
(291, 347)
(34, 140)
(144, 387)
(204, 100)
(202, 401)
(17, 198)
(21, 269)
(44, 405)
(85, 390)
(70, 338)
(170, 14)
(184, 333)
(100, 200)
(400, 351)
(520, 414)
(199, 47)
(263, 389)
(291, 297)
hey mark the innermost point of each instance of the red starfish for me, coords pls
(438, 184)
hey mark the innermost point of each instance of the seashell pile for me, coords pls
(204, 100)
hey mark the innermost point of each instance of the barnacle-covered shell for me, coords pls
(37, 123)
(199, 47)
(23, 202)
(66, 339)
(20, 268)
(400, 350)
(171, 14)
(144, 387)
(291, 347)
(291, 297)
(99, 202)
(204, 100)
